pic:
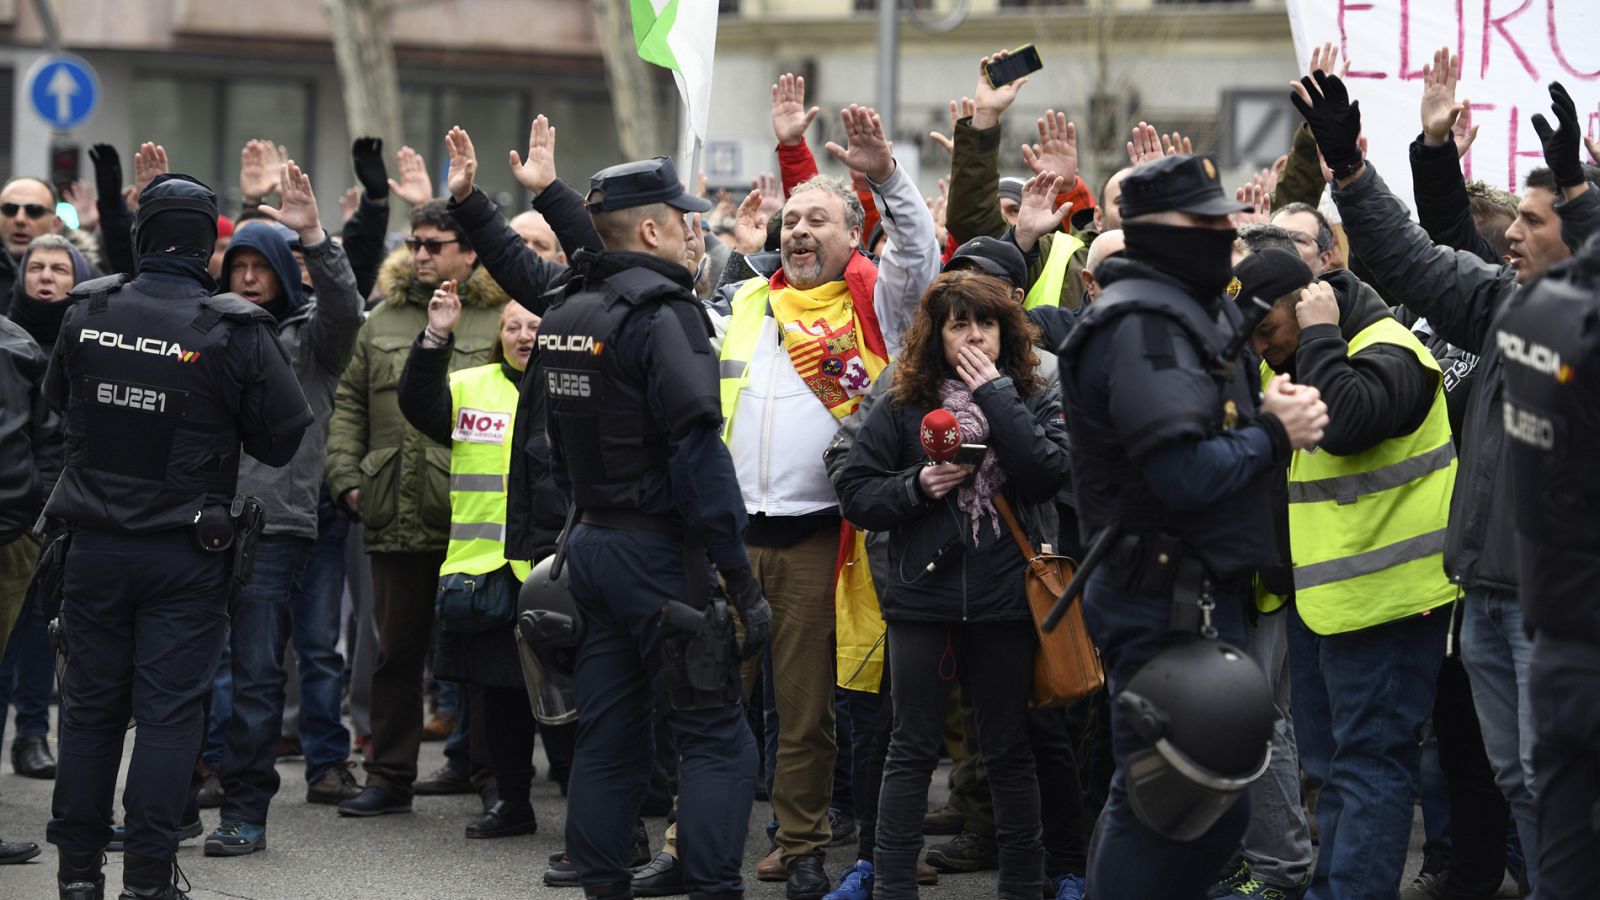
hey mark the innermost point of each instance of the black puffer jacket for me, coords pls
(1460, 294)
(973, 580)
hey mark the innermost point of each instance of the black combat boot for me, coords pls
(79, 877)
(144, 878)
(618, 890)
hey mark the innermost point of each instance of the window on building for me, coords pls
(1038, 4)
(7, 121)
(203, 122)
(497, 119)
(872, 5)
(728, 7)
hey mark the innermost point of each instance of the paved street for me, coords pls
(312, 854)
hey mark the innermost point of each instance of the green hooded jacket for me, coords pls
(403, 476)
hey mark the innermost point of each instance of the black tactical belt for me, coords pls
(630, 520)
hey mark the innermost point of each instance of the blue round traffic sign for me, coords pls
(63, 89)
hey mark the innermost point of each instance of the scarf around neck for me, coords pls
(976, 496)
(836, 352)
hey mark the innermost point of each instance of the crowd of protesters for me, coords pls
(883, 657)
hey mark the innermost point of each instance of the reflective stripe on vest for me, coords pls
(739, 343)
(1047, 290)
(1366, 531)
(483, 408)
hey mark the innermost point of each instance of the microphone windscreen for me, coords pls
(941, 435)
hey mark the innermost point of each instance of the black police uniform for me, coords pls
(161, 383)
(634, 422)
(1549, 337)
(1167, 448)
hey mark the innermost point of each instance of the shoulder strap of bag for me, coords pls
(1016, 527)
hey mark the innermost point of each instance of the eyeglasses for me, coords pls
(34, 210)
(432, 245)
(1303, 239)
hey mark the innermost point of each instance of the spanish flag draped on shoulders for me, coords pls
(794, 362)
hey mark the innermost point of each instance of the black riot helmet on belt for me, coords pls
(178, 216)
(549, 631)
(1207, 713)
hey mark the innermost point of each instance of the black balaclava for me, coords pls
(175, 230)
(1200, 258)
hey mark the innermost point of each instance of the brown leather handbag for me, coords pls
(1066, 666)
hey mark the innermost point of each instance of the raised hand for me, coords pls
(1038, 215)
(1592, 143)
(444, 309)
(1325, 59)
(749, 225)
(790, 117)
(81, 196)
(259, 170)
(1439, 107)
(771, 195)
(1335, 120)
(1057, 150)
(367, 155)
(868, 149)
(1175, 143)
(463, 163)
(107, 169)
(1463, 133)
(1561, 143)
(414, 186)
(959, 109)
(150, 161)
(298, 209)
(991, 100)
(1145, 146)
(1260, 211)
(538, 171)
(350, 201)
(939, 209)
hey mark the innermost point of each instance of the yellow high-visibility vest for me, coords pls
(1366, 531)
(483, 409)
(738, 344)
(1047, 290)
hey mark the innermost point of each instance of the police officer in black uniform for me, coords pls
(635, 429)
(1549, 337)
(162, 385)
(1174, 462)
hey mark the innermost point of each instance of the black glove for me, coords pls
(1561, 144)
(1335, 121)
(744, 592)
(368, 155)
(107, 170)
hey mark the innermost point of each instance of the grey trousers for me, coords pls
(1278, 844)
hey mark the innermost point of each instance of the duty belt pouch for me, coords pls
(470, 604)
(1146, 564)
(698, 661)
(213, 529)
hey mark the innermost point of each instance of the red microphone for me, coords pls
(941, 435)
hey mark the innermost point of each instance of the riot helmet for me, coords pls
(178, 216)
(1207, 713)
(549, 631)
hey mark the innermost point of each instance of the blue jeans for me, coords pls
(259, 631)
(1377, 685)
(216, 737)
(1128, 860)
(28, 671)
(315, 631)
(1497, 653)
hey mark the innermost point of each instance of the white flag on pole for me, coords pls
(681, 35)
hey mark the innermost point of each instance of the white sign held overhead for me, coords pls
(1510, 52)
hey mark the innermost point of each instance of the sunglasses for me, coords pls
(432, 245)
(34, 210)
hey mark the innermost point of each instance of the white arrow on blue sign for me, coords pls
(63, 89)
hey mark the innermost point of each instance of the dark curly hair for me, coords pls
(964, 295)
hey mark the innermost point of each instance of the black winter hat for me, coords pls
(177, 215)
(1269, 274)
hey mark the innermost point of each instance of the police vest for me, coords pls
(483, 408)
(1232, 537)
(151, 426)
(1047, 290)
(1366, 531)
(1549, 338)
(607, 436)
